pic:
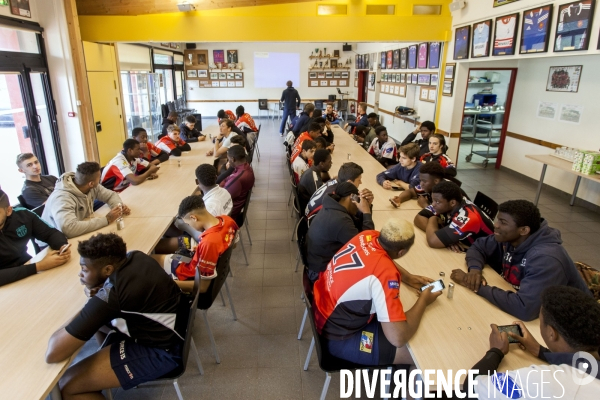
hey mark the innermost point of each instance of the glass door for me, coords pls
(141, 95)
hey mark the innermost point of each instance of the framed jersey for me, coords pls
(574, 26)
(505, 35)
(396, 59)
(383, 59)
(434, 55)
(461, 42)
(389, 59)
(535, 30)
(480, 45)
(412, 57)
(422, 55)
(403, 57)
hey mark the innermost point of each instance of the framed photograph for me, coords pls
(191, 73)
(337, 74)
(434, 79)
(219, 56)
(312, 75)
(389, 61)
(230, 84)
(239, 84)
(230, 75)
(323, 83)
(432, 95)
(564, 79)
(498, 3)
(215, 84)
(336, 53)
(424, 79)
(408, 78)
(505, 35)
(238, 75)
(321, 75)
(396, 59)
(345, 74)
(402, 90)
(535, 30)
(449, 71)
(574, 26)
(20, 8)
(383, 57)
(480, 45)
(415, 78)
(202, 59)
(356, 61)
(398, 78)
(222, 75)
(329, 75)
(202, 73)
(412, 57)
(447, 88)
(314, 83)
(461, 42)
(424, 94)
(396, 90)
(402, 78)
(343, 83)
(403, 58)
(422, 60)
(434, 55)
(222, 83)
(232, 56)
(365, 61)
(332, 83)
(173, 45)
(360, 61)
(214, 75)
(333, 63)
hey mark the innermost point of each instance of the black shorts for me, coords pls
(135, 364)
(369, 346)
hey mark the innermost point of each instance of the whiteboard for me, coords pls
(273, 70)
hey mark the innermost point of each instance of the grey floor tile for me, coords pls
(277, 296)
(279, 234)
(277, 261)
(278, 321)
(278, 277)
(278, 246)
(246, 296)
(272, 214)
(279, 383)
(233, 383)
(278, 351)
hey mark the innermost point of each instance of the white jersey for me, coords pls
(481, 37)
(505, 31)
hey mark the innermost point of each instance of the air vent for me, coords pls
(332, 9)
(374, 9)
(427, 10)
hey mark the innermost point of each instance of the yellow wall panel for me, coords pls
(99, 57)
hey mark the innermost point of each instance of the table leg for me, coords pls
(55, 393)
(575, 190)
(539, 190)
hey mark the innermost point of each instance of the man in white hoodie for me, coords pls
(70, 207)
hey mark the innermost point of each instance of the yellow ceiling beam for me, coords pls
(282, 22)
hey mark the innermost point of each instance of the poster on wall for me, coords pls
(403, 57)
(383, 57)
(434, 55)
(574, 25)
(461, 42)
(365, 61)
(218, 56)
(396, 59)
(422, 60)
(412, 57)
(536, 30)
(564, 79)
(570, 113)
(505, 35)
(390, 61)
(232, 56)
(20, 8)
(547, 110)
(481, 39)
(498, 3)
(447, 88)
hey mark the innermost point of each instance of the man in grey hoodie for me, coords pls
(527, 253)
(70, 207)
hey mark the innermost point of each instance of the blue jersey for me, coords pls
(434, 55)
(481, 39)
(572, 26)
(535, 30)
(461, 49)
(412, 57)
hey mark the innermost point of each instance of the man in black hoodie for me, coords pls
(305, 115)
(170, 120)
(189, 133)
(527, 253)
(17, 227)
(334, 226)
(426, 129)
(291, 101)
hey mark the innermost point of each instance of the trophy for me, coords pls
(240, 66)
(212, 66)
(325, 51)
(320, 53)
(219, 65)
(326, 63)
(321, 64)
(316, 64)
(190, 56)
(231, 65)
(316, 52)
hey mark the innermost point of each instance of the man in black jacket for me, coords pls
(291, 101)
(335, 225)
(426, 129)
(17, 227)
(305, 115)
(170, 120)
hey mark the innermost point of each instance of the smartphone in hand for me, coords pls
(516, 329)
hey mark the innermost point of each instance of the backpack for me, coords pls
(404, 110)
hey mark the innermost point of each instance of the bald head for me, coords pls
(396, 237)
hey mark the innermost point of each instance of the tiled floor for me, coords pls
(261, 357)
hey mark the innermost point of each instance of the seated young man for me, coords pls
(188, 131)
(223, 140)
(360, 136)
(302, 119)
(239, 183)
(457, 222)
(301, 163)
(225, 114)
(127, 168)
(331, 115)
(562, 315)
(218, 233)
(216, 199)
(37, 187)
(370, 135)
(383, 148)
(358, 310)
(430, 174)
(322, 144)
(148, 151)
(427, 129)
(335, 225)
(405, 175)
(70, 207)
(129, 291)
(172, 143)
(314, 131)
(237, 140)
(528, 254)
(244, 120)
(166, 122)
(18, 226)
(312, 179)
(361, 117)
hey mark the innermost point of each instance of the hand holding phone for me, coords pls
(64, 248)
(437, 286)
(516, 329)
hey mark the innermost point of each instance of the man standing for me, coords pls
(291, 101)
(37, 187)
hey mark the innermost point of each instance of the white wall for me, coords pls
(249, 92)
(35, 14)
(530, 89)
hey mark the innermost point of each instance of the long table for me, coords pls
(34, 308)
